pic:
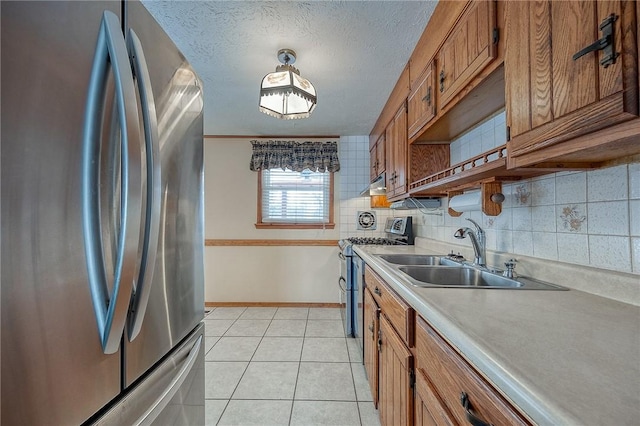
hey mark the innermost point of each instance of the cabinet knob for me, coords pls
(377, 291)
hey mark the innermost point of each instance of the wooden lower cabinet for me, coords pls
(463, 391)
(371, 332)
(395, 380)
(430, 410)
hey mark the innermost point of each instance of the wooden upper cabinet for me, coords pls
(561, 109)
(396, 139)
(377, 158)
(422, 102)
(468, 49)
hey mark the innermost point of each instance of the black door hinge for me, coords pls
(412, 378)
(496, 35)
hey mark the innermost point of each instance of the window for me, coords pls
(288, 199)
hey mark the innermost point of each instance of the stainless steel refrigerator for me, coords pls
(102, 218)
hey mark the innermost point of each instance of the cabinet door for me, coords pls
(421, 106)
(377, 158)
(396, 135)
(371, 313)
(396, 366)
(373, 162)
(452, 376)
(467, 50)
(551, 97)
(430, 410)
(381, 156)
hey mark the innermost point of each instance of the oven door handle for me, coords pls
(343, 288)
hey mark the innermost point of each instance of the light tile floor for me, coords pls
(283, 366)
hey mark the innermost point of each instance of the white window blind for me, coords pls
(295, 197)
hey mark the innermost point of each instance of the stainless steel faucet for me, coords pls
(478, 241)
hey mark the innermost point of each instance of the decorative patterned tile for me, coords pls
(572, 218)
(522, 194)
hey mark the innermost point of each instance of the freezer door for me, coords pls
(54, 370)
(176, 294)
(173, 394)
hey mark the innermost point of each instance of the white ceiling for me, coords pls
(352, 52)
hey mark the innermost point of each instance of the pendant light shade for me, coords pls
(284, 93)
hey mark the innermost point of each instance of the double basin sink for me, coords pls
(444, 272)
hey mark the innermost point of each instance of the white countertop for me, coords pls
(563, 357)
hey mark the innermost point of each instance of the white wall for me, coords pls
(258, 274)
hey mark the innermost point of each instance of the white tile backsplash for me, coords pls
(608, 218)
(586, 218)
(608, 184)
(610, 252)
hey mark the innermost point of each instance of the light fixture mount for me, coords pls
(284, 93)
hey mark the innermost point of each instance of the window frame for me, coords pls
(292, 225)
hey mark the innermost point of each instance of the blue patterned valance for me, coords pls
(296, 156)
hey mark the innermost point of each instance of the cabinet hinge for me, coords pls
(496, 35)
(508, 133)
(412, 378)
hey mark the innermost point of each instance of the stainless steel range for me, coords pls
(398, 231)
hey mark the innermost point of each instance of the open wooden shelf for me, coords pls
(490, 166)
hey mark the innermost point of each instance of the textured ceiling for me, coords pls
(352, 52)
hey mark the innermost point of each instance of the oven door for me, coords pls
(344, 285)
(358, 300)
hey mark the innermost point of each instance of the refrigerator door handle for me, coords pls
(152, 214)
(163, 399)
(111, 310)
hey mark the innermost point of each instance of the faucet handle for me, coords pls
(511, 266)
